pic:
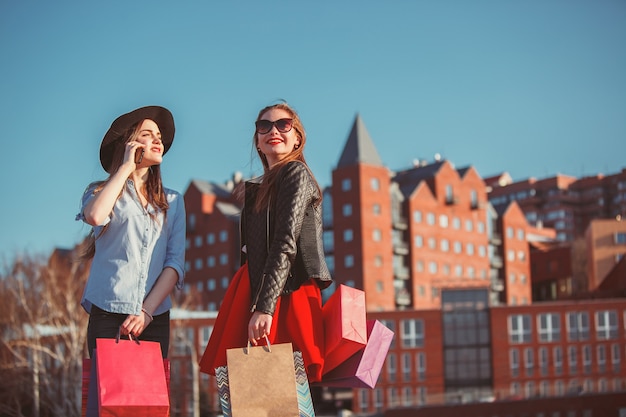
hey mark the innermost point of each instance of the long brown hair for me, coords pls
(152, 189)
(270, 173)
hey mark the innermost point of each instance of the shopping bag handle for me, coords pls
(269, 346)
(130, 336)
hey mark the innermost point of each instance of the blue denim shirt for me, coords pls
(133, 251)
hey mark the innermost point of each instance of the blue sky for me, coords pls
(533, 88)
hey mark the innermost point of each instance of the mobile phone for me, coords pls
(139, 155)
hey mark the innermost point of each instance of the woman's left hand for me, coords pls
(259, 326)
(134, 325)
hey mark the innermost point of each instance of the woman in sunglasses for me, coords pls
(276, 294)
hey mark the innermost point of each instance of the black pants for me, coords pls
(103, 324)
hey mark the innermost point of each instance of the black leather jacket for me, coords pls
(288, 252)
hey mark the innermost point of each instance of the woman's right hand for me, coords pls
(259, 326)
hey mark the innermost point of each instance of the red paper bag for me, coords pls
(131, 379)
(344, 325)
(363, 368)
(89, 406)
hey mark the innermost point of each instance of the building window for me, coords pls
(549, 327)
(430, 219)
(559, 388)
(378, 260)
(348, 261)
(601, 352)
(347, 210)
(458, 270)
(198, 264)
(520, 234)
(347, 235)
(444, 245)
(412, 333)
(375, 184)
(210, 284)
(225, 282)
(469, 248)
(407, 396)
(224, 259)
(346, 184)
(329, 241)
(443, 221)
(421, 366)
(330, 262)
(587, 359)
(543, 361)
(514, 362)
(521, 255)
(577, 326)
(510, 255)
(392, 367)
(376, 210)
(458, 247)
(191, 221)
(210, 238)
(198, 241)
(417, 216)
(529, 361)
(519, 328)
(210, 261)
(406, 367)
(469, 225)
(509, 232)
(557, 352)
(606, 325)
(419, 241)
(615, 357)
(456, 223)
(363, 399)
(474, 198)
(572, 360)
(223, 236)
(377, 235)
(449, 194)
(480, 226)
(620, 238)
(432, 267)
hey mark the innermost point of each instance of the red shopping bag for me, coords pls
(90, 386)
(131, 379)
(363, 368)
(344, 325)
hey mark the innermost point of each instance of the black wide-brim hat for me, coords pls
(160, 115)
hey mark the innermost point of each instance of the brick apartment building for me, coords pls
(448, 261)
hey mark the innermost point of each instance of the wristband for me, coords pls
(147, 314)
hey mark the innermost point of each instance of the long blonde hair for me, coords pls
(270, 173)
(152, 189)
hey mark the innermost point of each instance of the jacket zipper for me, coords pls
(267, 242)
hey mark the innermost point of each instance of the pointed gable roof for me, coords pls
(359, 148)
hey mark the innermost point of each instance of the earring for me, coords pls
(297, 146)
(258, 149)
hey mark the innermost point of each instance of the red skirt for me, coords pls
(297, 320)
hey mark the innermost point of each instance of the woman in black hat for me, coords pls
(137, 242)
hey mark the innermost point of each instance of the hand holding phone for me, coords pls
(139, 155)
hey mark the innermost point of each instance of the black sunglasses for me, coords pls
(283, 125)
